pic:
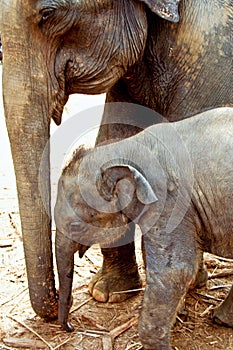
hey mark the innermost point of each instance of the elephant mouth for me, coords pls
(57, 106)
(92, 80)
(105, 237)
(91, 87)
(75, 80)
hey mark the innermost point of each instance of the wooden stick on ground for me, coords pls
(93, 323)
(24, 343)
(63, 343)
(207, 296)
(23, 294)
(222, 286)
(122, 328)
(80, 305)
(107, 340)
(129, 291)
(13, 297)
(223, 273)
(32, 331)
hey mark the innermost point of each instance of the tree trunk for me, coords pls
(25, 93)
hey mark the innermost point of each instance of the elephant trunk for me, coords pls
(25, 93)
(65, 249)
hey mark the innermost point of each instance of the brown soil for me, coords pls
(101, 326)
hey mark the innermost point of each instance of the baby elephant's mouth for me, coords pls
(82, 249)
(85, 235)
(75, 229)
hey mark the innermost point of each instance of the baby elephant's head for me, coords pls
(96, 203)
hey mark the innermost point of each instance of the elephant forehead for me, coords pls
(81, 194)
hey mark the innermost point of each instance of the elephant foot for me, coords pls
(106, 284)
(223, 315)
(118, 273)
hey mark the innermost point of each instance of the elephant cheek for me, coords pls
(58, 95)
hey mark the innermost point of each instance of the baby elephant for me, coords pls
(176, 182)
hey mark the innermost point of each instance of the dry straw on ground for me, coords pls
(101, 326)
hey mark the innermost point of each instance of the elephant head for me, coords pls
(53, 49)
(98, 199)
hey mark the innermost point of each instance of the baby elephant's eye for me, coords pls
(77, 227)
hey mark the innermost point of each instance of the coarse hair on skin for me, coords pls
(71, 168)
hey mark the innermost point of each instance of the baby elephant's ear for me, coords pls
(145, 192)
(111, 179)
(167, 9)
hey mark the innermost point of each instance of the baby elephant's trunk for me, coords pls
(65, 249)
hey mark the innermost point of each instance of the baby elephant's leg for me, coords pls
(202, 274)
(161, 302)
(224, 313)
(171, 264)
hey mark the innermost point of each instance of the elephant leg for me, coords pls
(118, 273)
(157, 315)
(163, 298)
(223, 315)
(171, 265)
(202, 274)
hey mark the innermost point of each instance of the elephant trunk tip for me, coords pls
(48, 310)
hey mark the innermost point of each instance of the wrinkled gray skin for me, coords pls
(196, 178)
(53, 48)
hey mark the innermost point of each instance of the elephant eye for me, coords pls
(77, 227)
(45, 14)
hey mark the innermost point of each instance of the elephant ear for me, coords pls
(167, 9)
(122, 181)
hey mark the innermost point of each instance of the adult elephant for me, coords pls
(59, 47)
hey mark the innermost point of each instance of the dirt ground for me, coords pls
(101, 326)
(97, 326)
